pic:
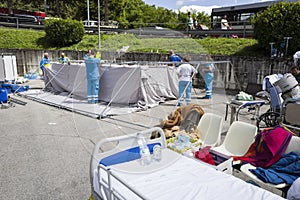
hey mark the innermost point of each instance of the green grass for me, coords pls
(30, 39)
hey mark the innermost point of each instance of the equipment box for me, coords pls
(223, 163)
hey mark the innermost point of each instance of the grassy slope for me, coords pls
(30, 39)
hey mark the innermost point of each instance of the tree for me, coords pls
(277, 22)
(129, 13)
(63, 32)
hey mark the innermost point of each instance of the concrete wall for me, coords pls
(238, 73)
(28, 59)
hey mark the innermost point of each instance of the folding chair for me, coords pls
(238, 139)
(210, 128)
(293, 146)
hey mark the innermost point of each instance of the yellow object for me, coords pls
(98, 54)
(47, 65)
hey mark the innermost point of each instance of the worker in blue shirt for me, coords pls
(64, 59)
(92, 75)
(174, 58)
(45, 62)
(208, 71)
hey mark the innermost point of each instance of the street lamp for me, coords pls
(99, 37)
(45, 6)
(88, 12)
(287, 44)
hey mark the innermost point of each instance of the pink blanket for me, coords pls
(268, 147)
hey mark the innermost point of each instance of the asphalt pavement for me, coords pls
(45, 151)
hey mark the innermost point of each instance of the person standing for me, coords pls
(224, 23)
(45, 62)
(190, 23)
(174, 58)
(92, 75)
(185, 74)
(64, 59)
(208, 71)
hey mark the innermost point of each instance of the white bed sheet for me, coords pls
(180, 177)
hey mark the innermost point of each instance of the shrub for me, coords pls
(63, 32)
(276, 22)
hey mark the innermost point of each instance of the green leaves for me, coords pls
(63, 32)
(278, 21)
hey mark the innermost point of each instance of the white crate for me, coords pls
(223, 162)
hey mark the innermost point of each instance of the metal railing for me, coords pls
(241, 29)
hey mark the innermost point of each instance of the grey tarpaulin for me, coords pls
(120, 86)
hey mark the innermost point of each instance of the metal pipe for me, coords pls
(99, 37)
(88, 12)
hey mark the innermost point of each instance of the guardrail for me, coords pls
(142, 32)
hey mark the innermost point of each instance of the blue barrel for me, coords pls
(3, 95)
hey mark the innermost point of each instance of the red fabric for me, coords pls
(204, 155)
(268, 148)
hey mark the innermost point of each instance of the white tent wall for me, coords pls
(158, 83)
(66, 78)
(14, 65)
(2, 70)
(10, 67)
(120, 84)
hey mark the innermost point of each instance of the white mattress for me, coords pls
(179, 177)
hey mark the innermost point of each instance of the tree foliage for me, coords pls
(129, 13)
(276, 23)
(63, 32)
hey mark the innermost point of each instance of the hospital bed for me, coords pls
(117, 173)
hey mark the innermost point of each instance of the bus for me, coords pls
(238, 16)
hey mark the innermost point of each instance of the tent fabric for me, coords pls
(66, 78)
(120, 84)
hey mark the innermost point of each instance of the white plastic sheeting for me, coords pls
(8, 68)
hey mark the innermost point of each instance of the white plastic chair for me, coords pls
(238, 139)
(210, 127)
(294, 145)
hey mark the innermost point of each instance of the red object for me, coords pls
(268, 147)
(204, 155)
(24, 12)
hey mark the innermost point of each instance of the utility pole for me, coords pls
(106, 12)
(287, 45)
(9, 5)
(99, 37)
(45, 6)
(88, 12)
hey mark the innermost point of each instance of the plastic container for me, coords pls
(3, 95)
(157, 153)
(144, 150)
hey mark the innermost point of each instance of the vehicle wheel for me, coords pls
(268, 119)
